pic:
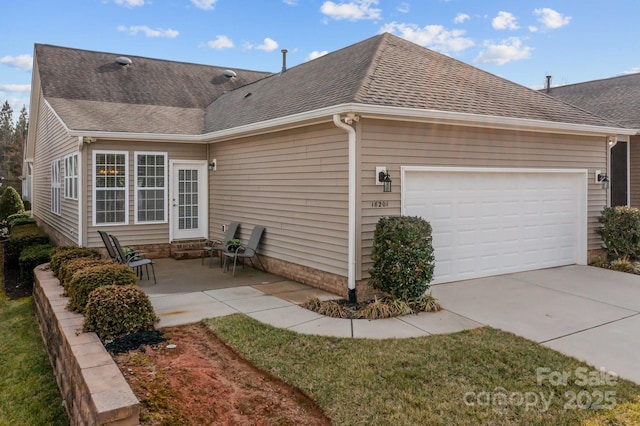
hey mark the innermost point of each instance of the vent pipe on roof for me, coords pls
(284, 60)
(547, 86)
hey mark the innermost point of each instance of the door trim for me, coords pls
(204, 188)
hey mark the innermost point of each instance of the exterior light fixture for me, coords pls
(604, 179)
(384, 177)
(212, 165)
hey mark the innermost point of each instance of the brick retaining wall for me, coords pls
(93, 389)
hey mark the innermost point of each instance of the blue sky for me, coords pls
(521, 40)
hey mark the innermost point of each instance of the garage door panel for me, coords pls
(487, 223)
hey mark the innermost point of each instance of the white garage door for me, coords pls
(496, 221)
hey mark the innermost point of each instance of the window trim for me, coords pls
(56, 195)
(71, 178)
(94, 189)
(136, 155)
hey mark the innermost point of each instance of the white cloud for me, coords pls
(354, 10)
(21, 62)
(551, 19)
(17, 88)
(461, 17)
(221, 42)
(505, 21)
(404, 7)
(268, 45)
(130, 3)
(633, 70)
(533, 28)
(204, 4)
(506, 51)
(316, 54)
(290, 2)
(432, 36)
(149, 32)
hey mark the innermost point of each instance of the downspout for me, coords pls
(351, 277)
(81, 206)
(612, 141)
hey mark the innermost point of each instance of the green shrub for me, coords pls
(88, 279)
(10, 203)
(70, 267)
(620, 231)
(21, 238)
(622, 265)
(402, 255)
(114, 311)
(63, 254)
(19, 221)
(30, 258)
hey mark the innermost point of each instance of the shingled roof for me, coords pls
(617, 98)
(90, 91)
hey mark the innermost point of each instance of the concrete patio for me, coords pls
(187, 292)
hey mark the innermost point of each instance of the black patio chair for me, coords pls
(133, 259)
(217, 246)
(111, 251)
(245, 252)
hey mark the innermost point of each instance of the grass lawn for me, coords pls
(28, 391)
(482, 376)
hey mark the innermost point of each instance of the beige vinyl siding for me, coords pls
(53, 143)
(131, 233)
(634, 171)
(295, 184)
(396, 144)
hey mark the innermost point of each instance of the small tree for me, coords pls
(403, 260)
(10, 203)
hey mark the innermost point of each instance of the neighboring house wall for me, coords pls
(295, 184)
(394, 144)
(634, 171)
(147, 235)
(53, 143)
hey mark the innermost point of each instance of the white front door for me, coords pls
(188, 200)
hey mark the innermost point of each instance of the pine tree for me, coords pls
(6, 124)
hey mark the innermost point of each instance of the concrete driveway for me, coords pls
(589, 313)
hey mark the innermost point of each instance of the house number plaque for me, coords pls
(379, 204)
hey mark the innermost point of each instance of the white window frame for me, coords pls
(71, 177)
(125, 189)
(138, 188)
(55, 186)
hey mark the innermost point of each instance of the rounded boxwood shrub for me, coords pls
(70, 267)
(31, 257)
(10, 203)
(90, 278)
(620, 232)
(402, 256)
(19, 239)
(114, 311)
(65, 253)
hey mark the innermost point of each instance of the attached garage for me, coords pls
(491, 221)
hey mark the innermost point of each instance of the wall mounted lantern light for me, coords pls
(213, 164)
(384, 177)
(603, 179)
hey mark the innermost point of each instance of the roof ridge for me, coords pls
(597, 80)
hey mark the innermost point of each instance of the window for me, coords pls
(71, 177)
(110, 194)
(150, 185)
(55, 186)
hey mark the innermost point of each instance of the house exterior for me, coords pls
(158, 152)
(618, 100)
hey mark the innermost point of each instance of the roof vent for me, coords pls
(123, 60)
(229, 73)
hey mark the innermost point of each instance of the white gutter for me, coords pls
(351, 278)
(369, 111)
